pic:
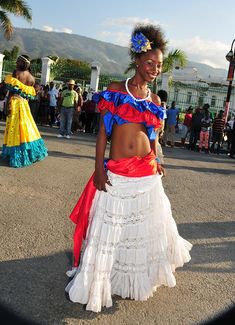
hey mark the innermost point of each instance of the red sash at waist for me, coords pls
(130, 167)
(135, 166)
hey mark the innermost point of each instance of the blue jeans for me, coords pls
(66, 118)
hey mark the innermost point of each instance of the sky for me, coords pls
(203, 29)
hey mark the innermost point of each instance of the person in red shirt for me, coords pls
(186, 124)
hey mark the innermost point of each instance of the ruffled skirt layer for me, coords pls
(132, 245)
(23, 144)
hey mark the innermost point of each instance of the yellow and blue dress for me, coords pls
(23, 144)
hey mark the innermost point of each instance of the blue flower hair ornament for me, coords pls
(140, 43)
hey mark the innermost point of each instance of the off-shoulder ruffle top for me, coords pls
(17, 87)
(123, 108)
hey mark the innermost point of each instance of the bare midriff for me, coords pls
(129, 140)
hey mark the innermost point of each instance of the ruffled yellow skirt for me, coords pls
(23, 144)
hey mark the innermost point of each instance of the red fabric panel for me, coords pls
(130, 114)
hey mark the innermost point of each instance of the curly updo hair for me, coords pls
(155, 36)
(23, 63)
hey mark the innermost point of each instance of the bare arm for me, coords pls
(7, 103)
(154, 144)
(60, 101)
(100, 178)
(80, 103)
(75, 103)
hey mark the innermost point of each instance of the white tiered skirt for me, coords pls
(132, 245)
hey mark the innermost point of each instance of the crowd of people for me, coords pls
(63, 105)
(204, 131)
(73, 110)
(132, 245)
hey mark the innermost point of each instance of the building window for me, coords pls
(201, 99)
(176, 95)
(189, 97)
(213, 101)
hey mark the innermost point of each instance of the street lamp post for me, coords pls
(231, 58)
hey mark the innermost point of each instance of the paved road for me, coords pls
(36, 237)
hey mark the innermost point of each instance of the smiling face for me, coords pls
(149, 65)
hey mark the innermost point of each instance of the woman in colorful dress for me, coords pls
(132, 245)
(23, 144)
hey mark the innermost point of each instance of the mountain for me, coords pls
(37, 43)
(114, 58)
(208, 72)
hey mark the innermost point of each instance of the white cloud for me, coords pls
(128, 21)
(209, 62)
(119, 38)
(47, 28)
(66, 30)
(203, 51)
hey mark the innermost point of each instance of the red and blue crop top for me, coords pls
(122, 108)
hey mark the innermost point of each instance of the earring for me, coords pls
(137, 66)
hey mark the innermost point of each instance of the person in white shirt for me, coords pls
(53, 95)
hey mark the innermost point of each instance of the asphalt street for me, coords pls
(36, 237)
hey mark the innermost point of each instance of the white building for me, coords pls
(187, 88)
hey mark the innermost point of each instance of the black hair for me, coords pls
(155, 36)
(206, 106)
(23, 63)
(84, 95)
(207, 113)
(220, 114)
(163, 95)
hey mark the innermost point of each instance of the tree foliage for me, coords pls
(15, 7)
(67, 68)
(12, 54)
(174, 59)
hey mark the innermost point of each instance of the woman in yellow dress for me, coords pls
(23, 144)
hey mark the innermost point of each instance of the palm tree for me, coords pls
(174, 59)
(15, 7)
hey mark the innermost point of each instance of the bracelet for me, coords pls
(158, 160)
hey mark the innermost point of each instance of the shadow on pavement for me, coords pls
(60, 154)
(33, 288)
(184, 154)
(75, 139)
(51, 133)
(210, 256)
(3, 162)
(203, 169)
(203, 230)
